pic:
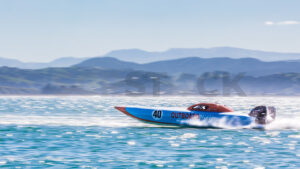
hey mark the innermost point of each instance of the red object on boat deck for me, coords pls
(209, 107)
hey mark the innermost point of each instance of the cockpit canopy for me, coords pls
(209, 107)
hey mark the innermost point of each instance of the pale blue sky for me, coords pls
(42, 30)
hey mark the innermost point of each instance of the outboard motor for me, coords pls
(263, 114)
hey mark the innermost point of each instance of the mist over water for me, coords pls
(87, 132)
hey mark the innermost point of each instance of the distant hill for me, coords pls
(82, 81)
(61, 62)
(75, 80)
(10, 62)
(108, 63)
(196, 65)
(141, 56)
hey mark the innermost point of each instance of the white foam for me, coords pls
(71, 121)
(284, 123)
(132, 143)
(214, 122)
(188, 135)
(280, 123)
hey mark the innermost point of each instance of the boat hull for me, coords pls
(187, 118)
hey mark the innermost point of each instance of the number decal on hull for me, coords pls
(157, 114)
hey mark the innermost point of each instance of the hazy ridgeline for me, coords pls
(236, 75)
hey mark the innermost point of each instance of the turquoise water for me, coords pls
(86, 132)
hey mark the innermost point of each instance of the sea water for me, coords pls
(87, 132)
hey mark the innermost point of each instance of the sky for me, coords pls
(43, 30)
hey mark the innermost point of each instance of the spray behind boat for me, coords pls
(263, 114)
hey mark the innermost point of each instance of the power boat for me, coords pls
(202, 115)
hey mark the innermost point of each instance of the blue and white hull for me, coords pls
(188, 118)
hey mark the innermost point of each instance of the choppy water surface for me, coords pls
(87, 132)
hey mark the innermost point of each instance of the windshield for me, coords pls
(200, 107)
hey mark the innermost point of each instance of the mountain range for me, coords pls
(141, 56)
(177, 73)
(77, 80)
(196, 65)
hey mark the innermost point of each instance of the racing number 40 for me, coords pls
(157, 114)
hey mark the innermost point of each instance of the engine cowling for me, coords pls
(263, 114)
